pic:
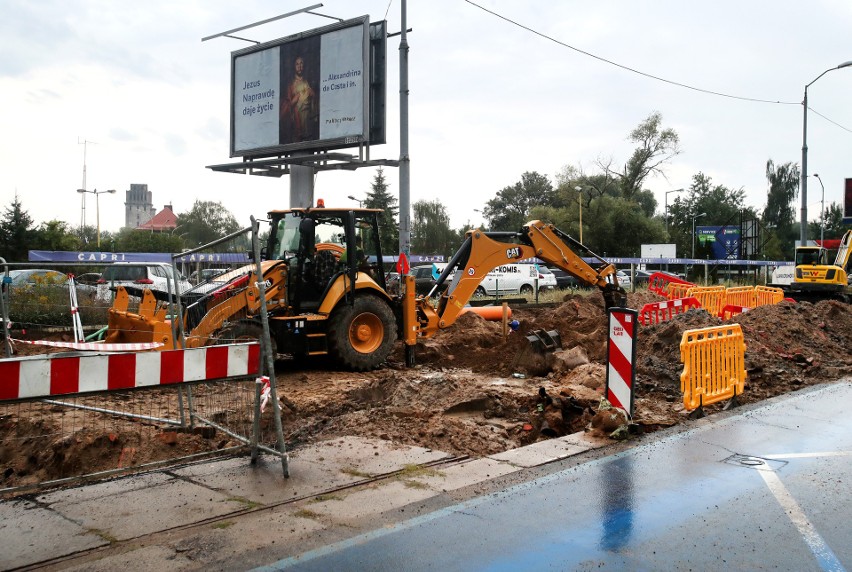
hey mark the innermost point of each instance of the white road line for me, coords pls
(807, 455)
(823, 553)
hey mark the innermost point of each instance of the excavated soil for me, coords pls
(474, 393)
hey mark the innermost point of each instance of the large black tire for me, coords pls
(526, 289)
(362, 335)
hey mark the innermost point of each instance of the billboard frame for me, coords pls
(316, 34)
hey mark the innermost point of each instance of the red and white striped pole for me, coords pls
(621, 358)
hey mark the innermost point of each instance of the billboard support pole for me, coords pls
(302, 186)
(404, 161)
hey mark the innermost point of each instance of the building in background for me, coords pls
(138, 206)
(163, 221)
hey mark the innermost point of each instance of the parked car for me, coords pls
(641, 277)
(565, 280)
(423, 280)
(152, 276)
(546, 278)
(88, 278)
(623, 279)
(37, 276)
(41, 278)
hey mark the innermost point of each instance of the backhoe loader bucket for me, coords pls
(544, 341)
(614, 296)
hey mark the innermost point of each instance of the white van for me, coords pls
(511, 279)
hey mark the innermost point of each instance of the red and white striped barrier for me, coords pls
(93, 346)
(621, 358)
(657, 312)
(46, 376)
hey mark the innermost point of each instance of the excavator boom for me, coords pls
(482, 251)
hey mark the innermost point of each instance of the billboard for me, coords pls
(847, 202)
(307, 91)
(724, 241)
(658, 251)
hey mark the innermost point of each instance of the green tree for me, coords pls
(705, 204)
(510, 209)
(205, 222)
(55, 235)
(656, 146)
(380, 198)
(834, 227)
(779, 214)
(134, 240)
(430, 229)
(16, 232)
(619, 227)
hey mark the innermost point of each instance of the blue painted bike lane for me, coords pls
(766, 488)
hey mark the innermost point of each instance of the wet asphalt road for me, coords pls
(766, 488)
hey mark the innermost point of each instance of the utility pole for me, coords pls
(85, 145)
(404, 160)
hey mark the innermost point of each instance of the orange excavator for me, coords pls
(321, 301)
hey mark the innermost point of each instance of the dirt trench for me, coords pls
(472, 393)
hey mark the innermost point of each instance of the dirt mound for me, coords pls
(475, 393)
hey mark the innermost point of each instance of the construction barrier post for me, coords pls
(713, 365)
(621, 358)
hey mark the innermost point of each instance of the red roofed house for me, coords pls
(163, 221)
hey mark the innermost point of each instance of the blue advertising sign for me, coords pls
(724, 241)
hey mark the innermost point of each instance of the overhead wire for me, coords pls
(627, 68)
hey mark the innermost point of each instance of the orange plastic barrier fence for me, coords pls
(741, 296)
(659, 281)
(731, 310)
(657, 312)
(767, 295)
(713, 365)
(678, 290)
(712, 298)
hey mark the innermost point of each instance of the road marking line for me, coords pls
(823, 553)
(807, 455)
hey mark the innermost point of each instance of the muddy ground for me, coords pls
(474, 393)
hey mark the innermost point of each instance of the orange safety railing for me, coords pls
(713, 365)
(767, 295)
(678, 290)
(712, 298)
(731, 310)
(659, 281)
(741, 296)
(657, 312)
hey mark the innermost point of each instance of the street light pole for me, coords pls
(804, 178)
(667, 206)
(97, 208)
(350, 197)
(821, 212)
(693, 232)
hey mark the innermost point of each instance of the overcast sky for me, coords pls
(489, 100)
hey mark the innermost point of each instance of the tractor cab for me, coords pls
(320, 244)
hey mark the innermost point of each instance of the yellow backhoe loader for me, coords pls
(322, 300)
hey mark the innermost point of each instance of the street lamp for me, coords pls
(579, 190)
(804, 183)
(821, 212)
(350, 197)
(97, 208)
(667, 205)
(693, 232)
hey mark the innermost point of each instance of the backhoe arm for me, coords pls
(481, 252)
